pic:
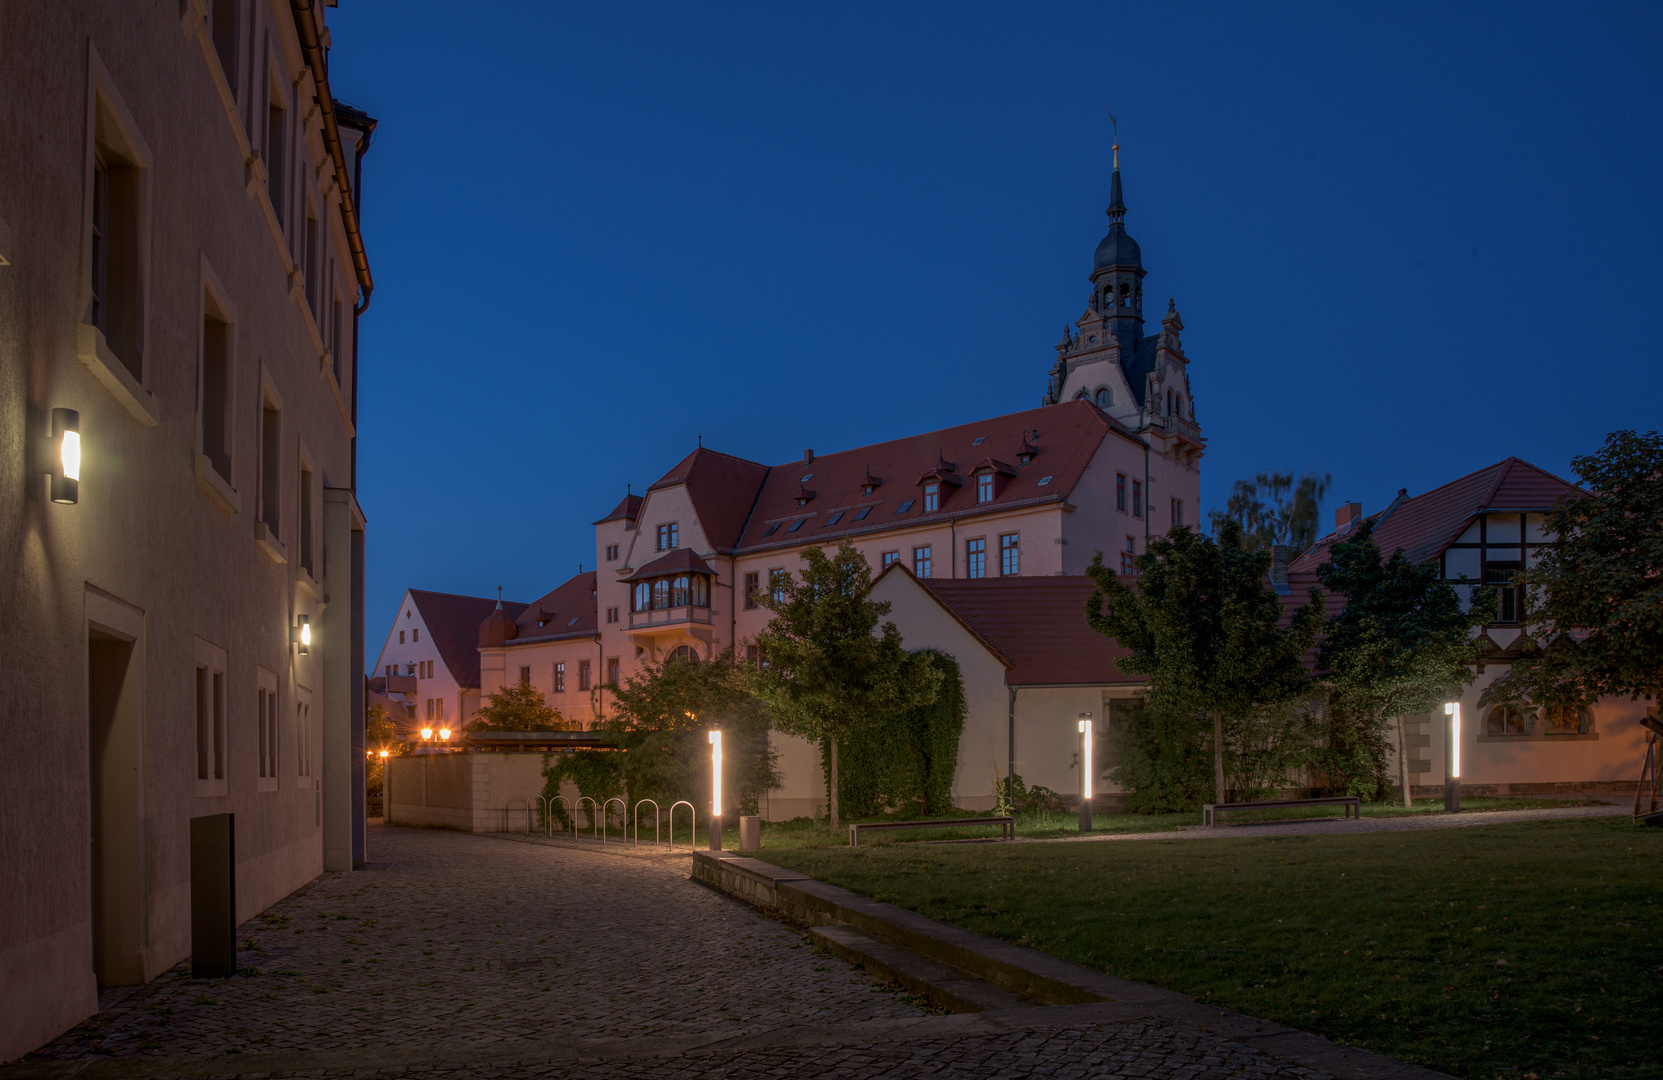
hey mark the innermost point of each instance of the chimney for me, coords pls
(1279, 569)
(1347, 516)
(808, 457)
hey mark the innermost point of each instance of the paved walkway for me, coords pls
(1334, 824)
(472, 956)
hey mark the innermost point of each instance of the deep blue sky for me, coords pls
(1406, 241)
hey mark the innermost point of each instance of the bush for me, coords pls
(906, 762)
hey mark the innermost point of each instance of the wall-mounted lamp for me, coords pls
(715, 789)
(444, 734)
(1086, 769)
(427, 733)
(302, 634)
(1452, 759)
(63, 457)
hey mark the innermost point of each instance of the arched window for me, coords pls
(1137, 298)
(1169, 402)
(1105, 397)
(1125, 295)
(682, 654)
(1566, 720)
(1507, 719)
(1178, 405)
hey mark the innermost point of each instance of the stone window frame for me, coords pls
(210, 691)
(215, 305)
(268, 759)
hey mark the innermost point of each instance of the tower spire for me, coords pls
(1117, 205)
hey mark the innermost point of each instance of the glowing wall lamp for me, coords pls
(444, 734)
(1086, 769)
(427, 733)
(715, 790)
(63, 457)
(1452, 759)
(302, 634)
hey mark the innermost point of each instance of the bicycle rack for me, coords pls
(638, 806)
(606, 817)
(693, 822)
(570, 814)
(593, 820)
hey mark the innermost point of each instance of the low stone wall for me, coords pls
(470, 791)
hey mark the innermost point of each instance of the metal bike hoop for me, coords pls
(638, 806)
(593, 820)
(605, 816)
(693, 816)
(570, 814)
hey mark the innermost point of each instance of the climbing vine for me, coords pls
(906, 764)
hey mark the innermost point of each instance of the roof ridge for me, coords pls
(459, 596)
(1093, 412)
(756, 497)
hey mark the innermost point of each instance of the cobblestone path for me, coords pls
(472, 956)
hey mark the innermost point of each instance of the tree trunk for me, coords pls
(1403, 761)
(831, 792)
(1218, 755)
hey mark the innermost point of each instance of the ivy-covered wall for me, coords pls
(906, 762)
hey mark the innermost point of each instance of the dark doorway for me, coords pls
(115, 778)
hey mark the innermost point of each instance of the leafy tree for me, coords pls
(380, 733)
(1203, 627)
(519, 707)
(660, 720)
(908, 763)
(1402, 644)
(1597, 590)
(1274, 508)
(830, 669)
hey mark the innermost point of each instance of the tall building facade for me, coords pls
(1111, 457)
(181, 271)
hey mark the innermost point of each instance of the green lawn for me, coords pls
(1498, 951)
(802, 832)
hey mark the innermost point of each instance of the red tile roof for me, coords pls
(681, 560)
(1036, 625)
(453, 621)
(567, 611)
(1422, 526)
(627, 510)
(1069, 436)
(722, 489)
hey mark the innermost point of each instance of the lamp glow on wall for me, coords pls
(715, 789)
(303, 634)
(63, 457)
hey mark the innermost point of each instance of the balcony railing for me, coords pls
(644, 620)
(1182, 428)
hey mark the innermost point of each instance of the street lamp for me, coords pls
(1085, 772)
(1452, 759)
(715, 789)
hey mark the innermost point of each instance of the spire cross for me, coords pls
(1115, 120)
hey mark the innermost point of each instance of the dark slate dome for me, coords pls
(1117, 249)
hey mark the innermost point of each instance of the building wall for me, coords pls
(418, 648)
(112, 603)
(468, 791)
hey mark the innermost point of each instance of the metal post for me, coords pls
(715, 832)
(1452, 758)
(1087, 767)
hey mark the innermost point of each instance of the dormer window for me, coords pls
(932, 497)
(984, 488)
(667, 538)
(804, 497)
(870, 484)
(1105, 397)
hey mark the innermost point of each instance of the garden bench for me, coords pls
(1006, 824)
(1353, 806)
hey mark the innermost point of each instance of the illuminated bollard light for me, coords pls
(715, 790)
(1086, 770)
(1452, 759)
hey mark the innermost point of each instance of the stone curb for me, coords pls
(1028, 972)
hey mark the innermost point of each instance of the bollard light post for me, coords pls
(715, 789)
(1086, 769)
(1452, 758)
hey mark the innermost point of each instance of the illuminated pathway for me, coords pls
(471, 956)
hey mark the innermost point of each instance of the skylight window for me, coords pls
(835, 518)
(573, 622)
(860, 515)
(795, 525)
(977, 441)
(904, 507)
(1044, 480)
(807, 477)
(772, 529)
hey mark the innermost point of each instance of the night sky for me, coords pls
(1406, 242)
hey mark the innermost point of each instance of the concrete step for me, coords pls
(942, 985)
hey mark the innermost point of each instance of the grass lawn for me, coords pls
(1498, 951)
(802, 832)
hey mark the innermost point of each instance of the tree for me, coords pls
(1596, 592)
(519, 707)
(829, 668)
(660, 721)
(1289, 517)
(1203, 627)
(1402, 644)
(380, 733)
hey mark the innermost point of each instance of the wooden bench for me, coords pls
(1007, 826)
(1353, 806)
